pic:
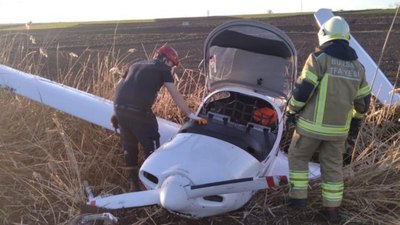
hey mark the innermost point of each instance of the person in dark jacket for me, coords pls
(331, 94)
(133, 100)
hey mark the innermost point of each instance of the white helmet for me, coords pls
(335, 28)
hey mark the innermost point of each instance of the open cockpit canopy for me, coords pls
(250, 54)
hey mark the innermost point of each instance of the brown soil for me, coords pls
(187, 35)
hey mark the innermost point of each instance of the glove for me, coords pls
(114, 122)
(198, 120)
(355, 126)
(290, 120)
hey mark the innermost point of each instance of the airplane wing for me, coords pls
(236, 185)
(78, 103)
(380, 85)
(280, 166)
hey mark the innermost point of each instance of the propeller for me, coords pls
(176, 192)
(126, 200)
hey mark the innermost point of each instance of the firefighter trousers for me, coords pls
(330, 154)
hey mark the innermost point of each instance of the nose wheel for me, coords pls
(94, 219)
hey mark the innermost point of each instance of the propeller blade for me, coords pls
(127, 200)
(235, 185)
(380, 85)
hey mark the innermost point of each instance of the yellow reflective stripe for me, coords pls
(297, 185)
(319, 112)
(321, 100)
(332, 191)
(309, 76)
(364, 91)
(296, 103)
(332, 197)
(335, 36)
(298, 179)
(298, 174)
(317, 128)
(349, 118)
(357, 115)
(333, 186)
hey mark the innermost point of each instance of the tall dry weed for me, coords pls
(45, 155)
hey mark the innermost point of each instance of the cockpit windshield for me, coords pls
(252, 55)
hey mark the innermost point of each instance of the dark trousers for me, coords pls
(135, 128)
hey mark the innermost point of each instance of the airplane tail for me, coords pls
(380, 85)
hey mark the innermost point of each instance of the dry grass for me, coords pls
(46, 155)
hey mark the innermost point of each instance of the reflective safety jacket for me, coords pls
(331, 89)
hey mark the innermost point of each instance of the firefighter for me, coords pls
(330, 94)
(133, 100)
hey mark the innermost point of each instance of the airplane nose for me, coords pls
(173, 195)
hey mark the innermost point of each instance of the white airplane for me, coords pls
(205, 170)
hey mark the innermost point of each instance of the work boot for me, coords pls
(297, 203)
(331, 214)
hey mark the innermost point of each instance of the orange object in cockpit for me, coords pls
(265, 116)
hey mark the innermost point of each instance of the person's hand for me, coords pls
(290, 119)
(355, 126)
(114, 121)
(198, 120)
